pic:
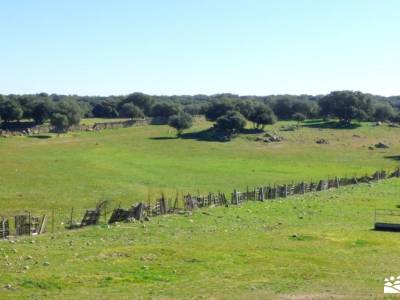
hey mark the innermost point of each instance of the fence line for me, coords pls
(57, 220)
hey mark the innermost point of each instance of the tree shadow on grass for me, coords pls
(329, 125)
(207, 135)
(39, 136)
(393, 157)
(163, 138)
(251, 131)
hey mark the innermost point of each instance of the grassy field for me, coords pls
(92, 121)
(127, 165)
(316, 246)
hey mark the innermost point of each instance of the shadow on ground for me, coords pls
(39, 136)
(209, 135)
(329, 125)
(162, 138)
(393, 157)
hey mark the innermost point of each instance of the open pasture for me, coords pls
(134, 164)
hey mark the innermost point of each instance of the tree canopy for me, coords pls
(180, 122)
(130, 110)
(232, 122)
(346, 106)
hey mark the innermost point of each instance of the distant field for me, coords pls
(131, 164)
(92, 121)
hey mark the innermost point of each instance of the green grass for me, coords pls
(127, 165)
(92, 121)
(316, 246)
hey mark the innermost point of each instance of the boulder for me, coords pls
(271, 138)
(381, 145)
(322, 141)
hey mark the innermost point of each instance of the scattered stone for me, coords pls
(322, 141)
(26, 268)
(381, 146)
(356, 136)
(46, 264)
(378, 123)
(29, 257)
(271, 138)
(371, 148)
(146, 218)
(8, 286)
(394, 125)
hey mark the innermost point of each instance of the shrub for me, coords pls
(231, 123)
(180, 122)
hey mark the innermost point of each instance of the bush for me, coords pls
(180, 122)
(384, 112)
(129, 110)
(231, 123)
(59, 122)
(299, 117)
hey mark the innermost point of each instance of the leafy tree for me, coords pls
(164, 109)
(283, 108)
(86, 109)
(60, 122)
(218, 109)
(105, 109)
(143, 101)
(194, 109)
(231, 123)
(71, 110)
(384, 112)
(26, 103)
(42, 111)
(262, 115)
(299, 117)
(346, 106)
(129, 110)
(246, 108)
(180, 122)
(11, 111)
(309, 109)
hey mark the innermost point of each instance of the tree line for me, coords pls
(229, 112)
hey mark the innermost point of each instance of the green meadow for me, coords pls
(316, 246)
(133, 164)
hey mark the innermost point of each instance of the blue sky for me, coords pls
(247, 47)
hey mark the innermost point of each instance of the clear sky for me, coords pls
(257, 47)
